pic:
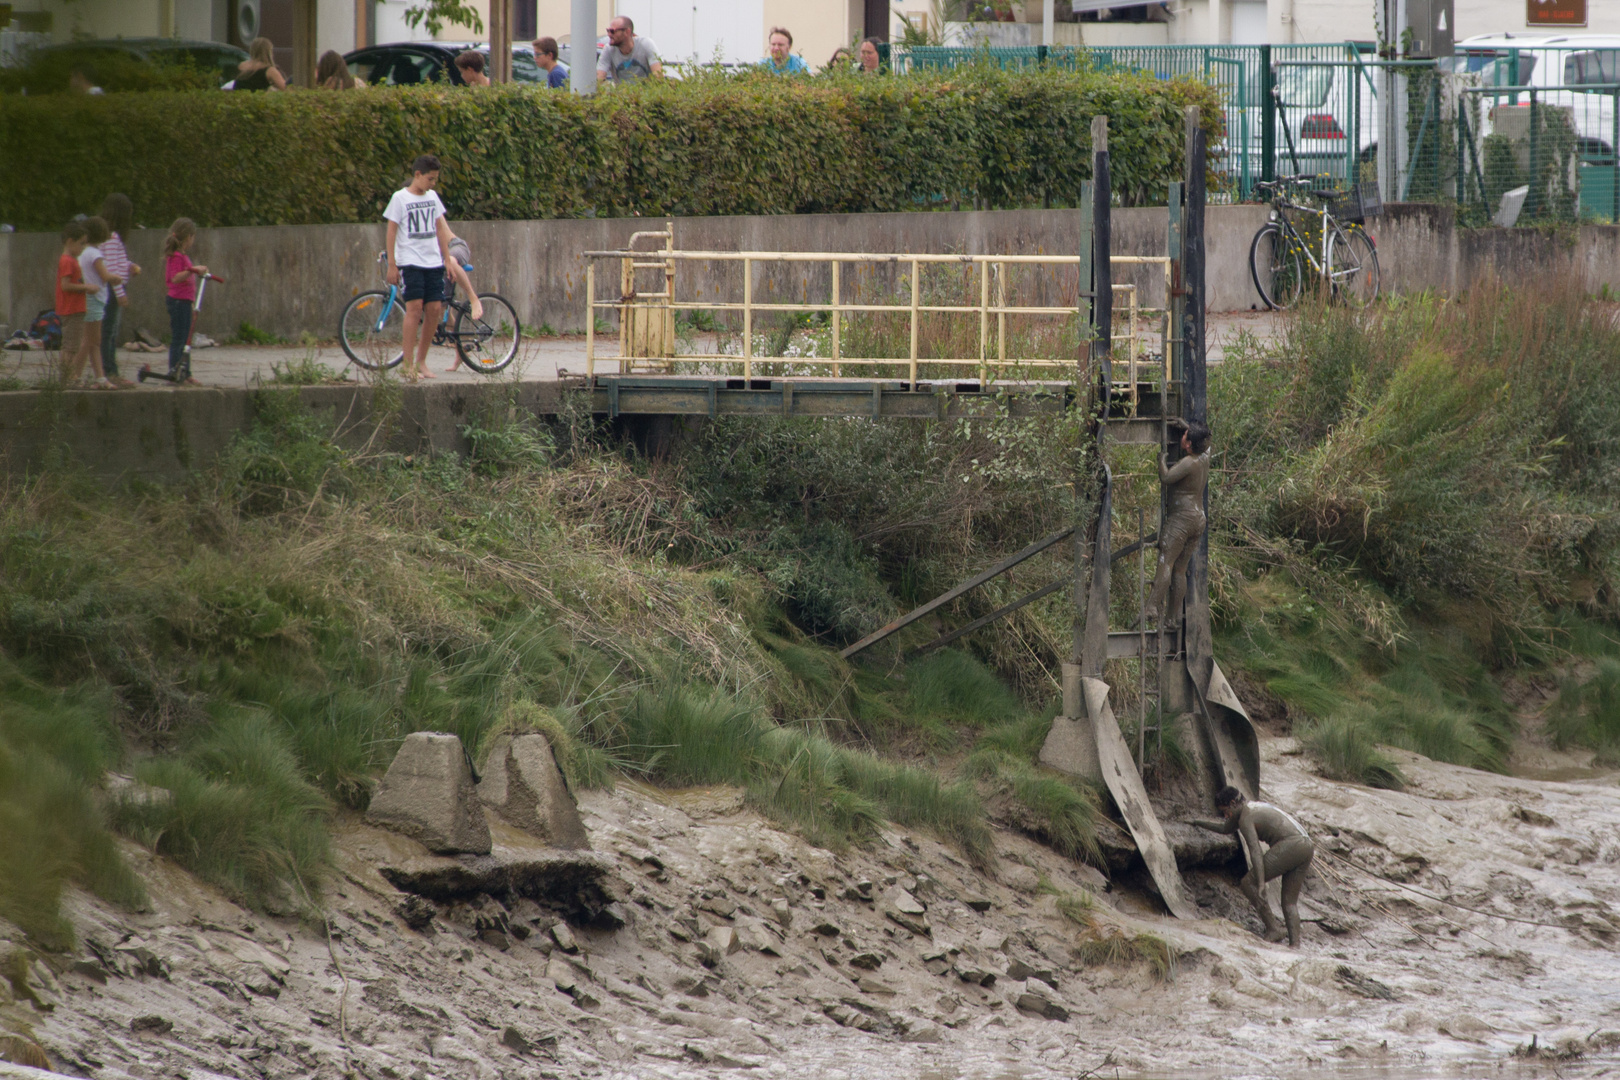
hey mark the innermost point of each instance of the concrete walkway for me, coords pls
(540, 360)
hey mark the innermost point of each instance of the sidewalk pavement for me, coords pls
(539, 360)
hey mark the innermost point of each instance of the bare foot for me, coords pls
(426, 374)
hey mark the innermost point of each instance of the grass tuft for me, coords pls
(239, 814)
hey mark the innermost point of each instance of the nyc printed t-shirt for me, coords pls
(417, 242)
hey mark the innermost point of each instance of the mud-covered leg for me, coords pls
(1293, 883)
(1273, 931)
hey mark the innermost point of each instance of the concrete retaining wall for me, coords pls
(162, 436)
(292, 279)
(296, 278)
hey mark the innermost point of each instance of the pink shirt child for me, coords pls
(186, 287)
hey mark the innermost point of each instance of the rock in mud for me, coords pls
(416, 912)
(428, 795)
(579, 886)
(523, 784)
(900, 907)
(1036, 1000)
(151, 1025)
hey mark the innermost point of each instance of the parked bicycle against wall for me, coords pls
(1304, 244)
(372, 328)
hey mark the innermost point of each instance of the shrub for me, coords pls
(708, 145)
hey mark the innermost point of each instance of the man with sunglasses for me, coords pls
(627, 57)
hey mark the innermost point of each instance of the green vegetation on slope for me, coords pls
(1410, 503)
(252, 645)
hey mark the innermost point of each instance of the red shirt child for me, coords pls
(69, 301)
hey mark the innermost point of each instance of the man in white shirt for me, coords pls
(418, 252)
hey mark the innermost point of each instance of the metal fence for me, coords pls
(1471, 128)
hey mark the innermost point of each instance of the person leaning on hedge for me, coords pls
(471, 66)
(627, 57)
(545, 55)
(871, 61)
(259, 71)
(781, 61)
(333, 74)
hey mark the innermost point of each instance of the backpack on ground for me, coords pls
(47, 327)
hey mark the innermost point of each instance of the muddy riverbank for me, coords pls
(742, 947)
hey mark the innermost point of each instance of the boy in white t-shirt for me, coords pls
(418, 250)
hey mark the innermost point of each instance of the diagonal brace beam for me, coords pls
(973, 583)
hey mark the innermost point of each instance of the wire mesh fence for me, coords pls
(1471, 129)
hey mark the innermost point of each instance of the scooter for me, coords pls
(146, 371)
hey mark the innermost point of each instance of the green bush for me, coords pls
(709, 145)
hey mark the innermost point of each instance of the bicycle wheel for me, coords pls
(1353, 266)
(1275, 265)
(488, 344)
(372, 330)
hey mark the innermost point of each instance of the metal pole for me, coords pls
(590, 318)
(748, 318)
(1102, 301)
(1047, 15)
(582, 31)
(984, 323)
(837, 298)
(1268, 117)
(916, 269)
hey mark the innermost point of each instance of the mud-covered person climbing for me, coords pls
(1288, 855)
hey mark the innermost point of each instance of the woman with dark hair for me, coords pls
(871, 60)
(331, 73)
(259, 71)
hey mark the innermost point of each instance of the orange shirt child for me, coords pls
(69, 301)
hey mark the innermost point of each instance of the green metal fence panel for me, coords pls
(1470, 127)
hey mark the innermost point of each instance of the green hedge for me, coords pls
(711, 145)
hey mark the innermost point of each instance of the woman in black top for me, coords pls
(258, 71)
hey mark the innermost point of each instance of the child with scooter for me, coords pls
(184, 281)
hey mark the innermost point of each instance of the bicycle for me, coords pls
(1279, 253)
(372, 328)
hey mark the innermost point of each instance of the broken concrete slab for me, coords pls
(428, 795)
(523, 784)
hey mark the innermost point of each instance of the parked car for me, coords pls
(120, 60)
(1563, 66)
(412, 63)
(1327, 125)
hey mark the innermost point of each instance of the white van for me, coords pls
(1560, 66)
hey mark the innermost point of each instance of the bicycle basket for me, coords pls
(1357, 204)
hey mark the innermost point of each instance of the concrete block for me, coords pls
(428, 795)
(1071, 747)
(523, 784)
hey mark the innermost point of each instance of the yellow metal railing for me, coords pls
(647, 319)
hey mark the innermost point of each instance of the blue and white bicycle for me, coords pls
(372, 330)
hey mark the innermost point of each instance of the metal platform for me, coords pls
(878, 399)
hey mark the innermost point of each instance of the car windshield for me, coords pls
(524, 69)
(1305, 86)
(1595, 67)
(403, 68)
